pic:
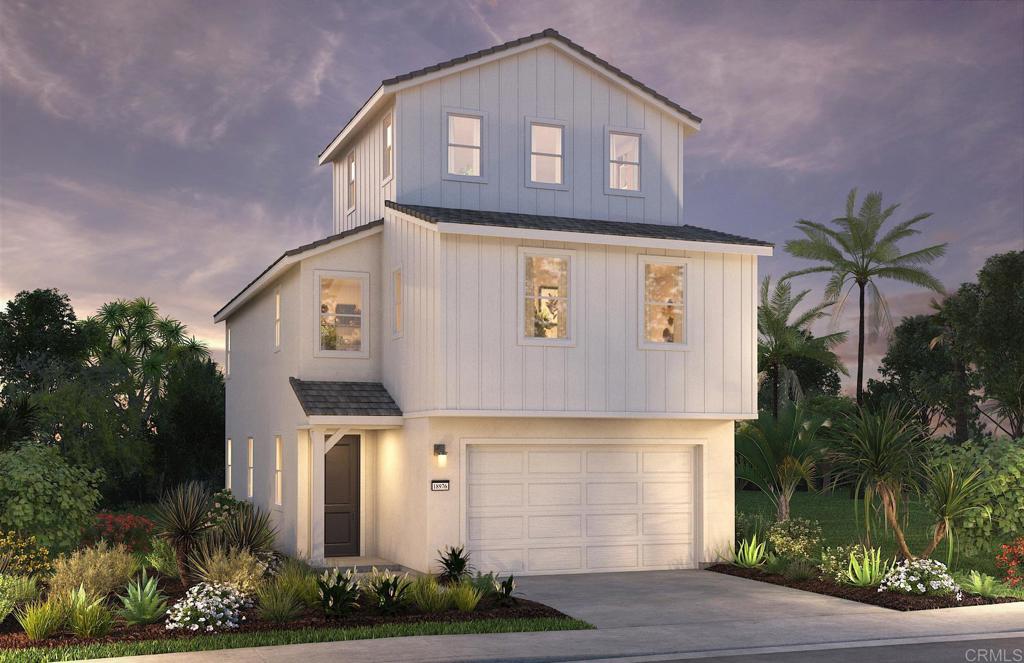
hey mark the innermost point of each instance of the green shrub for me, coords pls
(833, 561)
(298, 577)
(796, 538)
(339, 592)
(87, 615)
(983, 585)
(485, 583)
(749, 525)
(161, 558)
(429, 596)
(42, 496)
(750, 554)
(1001, 461)
(143, 604)
(101, 569)
(235, 568)
(387, 592)
(41, 619)
(278, 602)
(775, 564)
(800, 569)
(22, 555)
(866, 568)
(464, 596)
(16, 591)
(181, 521)
(222, 505)
(455, 566)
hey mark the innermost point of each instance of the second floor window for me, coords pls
(546, 153)
(342, 319)
(350, 178)
(464, 145)
(663, 299)
(546, 300)
(624, 162)
(388, 145)
(227, 352)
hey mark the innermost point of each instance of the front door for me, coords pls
(341, 498)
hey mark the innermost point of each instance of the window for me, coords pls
(464, 144)
(227, 465)
(277, 469)
(342, 313)
(248, 479)
(624, 161)
(350, 176)
(663, 302)
(388, 145)
(227, 351)
(396, 290)
(546, 277)
(277, 319)
(546, 153)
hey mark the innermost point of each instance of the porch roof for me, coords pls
(320, 398)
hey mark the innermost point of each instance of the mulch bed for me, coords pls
(892, 600)
(11, 636)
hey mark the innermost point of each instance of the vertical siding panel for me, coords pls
(635, 119)
(435, 350)
(615, 284)
(410, 158)
(679, 181)
(575, 381)
(582, 154)
(508, 182)
(599, 157)
(733, 324)
(618, 206)
(696, 358)
(527, 91)
(752, 338)
(451, 97)
(564, 98)
(431, 122)
(469, 322)
(656, 176)
(636, 361)
(490, 307)
(469, 192)
(596, 320)
(450, 318)
(511, 351)
(545, 109)
(746, 330)
(490, 102)
(714, 331)
(554, 378)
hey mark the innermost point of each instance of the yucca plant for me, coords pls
(749, 554)
(143, 603)
(869, 570)
(388, 592)
(455, 566)
(339, 592)
(248, 528)
(465, 596)
(41, 619)
(429, 596)
(181, 521)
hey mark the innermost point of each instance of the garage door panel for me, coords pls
(555, 527)
(496, 462)
(555, 462)
(612, 462)
(667, 554)
(667, 492)
(668, 461)
(555, 494)
(612, 524)
(612, 493)
(612, 557)
(659, 524)
(565, 559)
(495, 528)
(495, 494)
(507, 560)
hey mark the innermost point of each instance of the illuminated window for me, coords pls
(278, 461)
(342, 313)
(277, 319)
(388, 145)
(663, 302)
(546, 277)
(396, 288)
(464, 145)
(227, 465)
(227, 351)
(546, 152)
(350, 176)
(624, 161)
(248, 482)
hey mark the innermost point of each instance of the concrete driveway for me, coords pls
(666, 615)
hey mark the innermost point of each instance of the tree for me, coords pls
(855, 256)
(190, 424)
(18, 419)
(37, 328)
(783, 343)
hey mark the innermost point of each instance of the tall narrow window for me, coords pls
(546, 153)
(249, 468)
(388, 144)
(546, 299)
(277, 320)
(663, 301)
(227, 465)
(464, 145)
(227, 351)
(342, 314)
(624, 161)
(278, 461)
(396, 286)
(350, 176)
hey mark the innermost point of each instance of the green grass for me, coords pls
(267, 638)
(838, 516)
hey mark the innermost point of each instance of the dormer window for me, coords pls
(623, 161)
(464, 145)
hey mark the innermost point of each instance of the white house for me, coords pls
(512, 341)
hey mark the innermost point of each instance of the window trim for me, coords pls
(387, 158)
(397, 303)
(573, 298)
(641, 280)
(249, 487)
(227, 464)
(484, 144)
(566, 153)
(278, 471)
(277, 319)
(607, 160)
(351, 182)
(364, 321)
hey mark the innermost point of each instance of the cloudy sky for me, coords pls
(167, 149)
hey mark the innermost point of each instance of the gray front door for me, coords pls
(341, 498)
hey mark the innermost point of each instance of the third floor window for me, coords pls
(546, 153)
(624, 161)
(464, 145)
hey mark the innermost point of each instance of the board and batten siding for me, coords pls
(371, 188)
(540, 83)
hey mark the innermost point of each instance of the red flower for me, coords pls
(1012, 559)
(126, 528)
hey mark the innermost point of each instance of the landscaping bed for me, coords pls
(871, 595)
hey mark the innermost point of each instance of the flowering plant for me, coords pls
(920, 576)
(835, 560)
(131, 530)
(208, 607)
(796, 538)
(222, 505)
(22, 555)
(1012, 560)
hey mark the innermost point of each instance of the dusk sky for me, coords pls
(168, 149)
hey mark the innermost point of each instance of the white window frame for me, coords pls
(278, 471)
(249, 469)
(277, 320)
(464, 112)
(227, 351)
(572, 300)
(387, 155)
(364, 321)
(397, 303)
(607, 160)
(641, 297)
(227, 464)
(566, 153)
(351, 182)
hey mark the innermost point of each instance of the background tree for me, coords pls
(37, 328)
(856, 256)
(783, 342)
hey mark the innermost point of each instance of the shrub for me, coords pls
(749, 525)
(920, 576)
(388, 592)
(982, 584)
(796, 538)
(835, 560)
(339, 592)
(749, 554)
(1011, 560)
(455, 566)
(233, 567)
(131, 530)
(41, 619)
(800, 569)
(429, 596)
(208, 608)
(222, 505)
(300, 579)
(503, 590)
(101, 569)
(278, 602)
(866, 569)
(16, 591)
(775, 564)
(161, 558)
(464, 596)
(485, 583)
(87, 615)
(42, 496)
(181, 521)
(248, 528)
(143, 604)
(22, 555)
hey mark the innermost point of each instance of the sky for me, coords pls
(168, 149)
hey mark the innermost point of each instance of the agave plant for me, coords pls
(749, 554)
(143, 604)
(869, 571)
(181, 521)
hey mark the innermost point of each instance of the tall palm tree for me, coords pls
(781, 339)
(856, 255)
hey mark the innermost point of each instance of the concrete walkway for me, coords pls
(659, 614)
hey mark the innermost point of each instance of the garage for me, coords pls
(575, 508)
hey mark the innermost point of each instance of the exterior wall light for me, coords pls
(442, 455)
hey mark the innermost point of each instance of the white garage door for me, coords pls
(580, 508)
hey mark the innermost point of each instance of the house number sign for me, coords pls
(439, 485)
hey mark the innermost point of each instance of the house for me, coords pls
(511, 341)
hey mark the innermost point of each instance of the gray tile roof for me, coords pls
(567, 224)
(319, 397)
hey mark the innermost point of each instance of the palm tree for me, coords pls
(777, 453)
(781, 340)
(855, 255)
